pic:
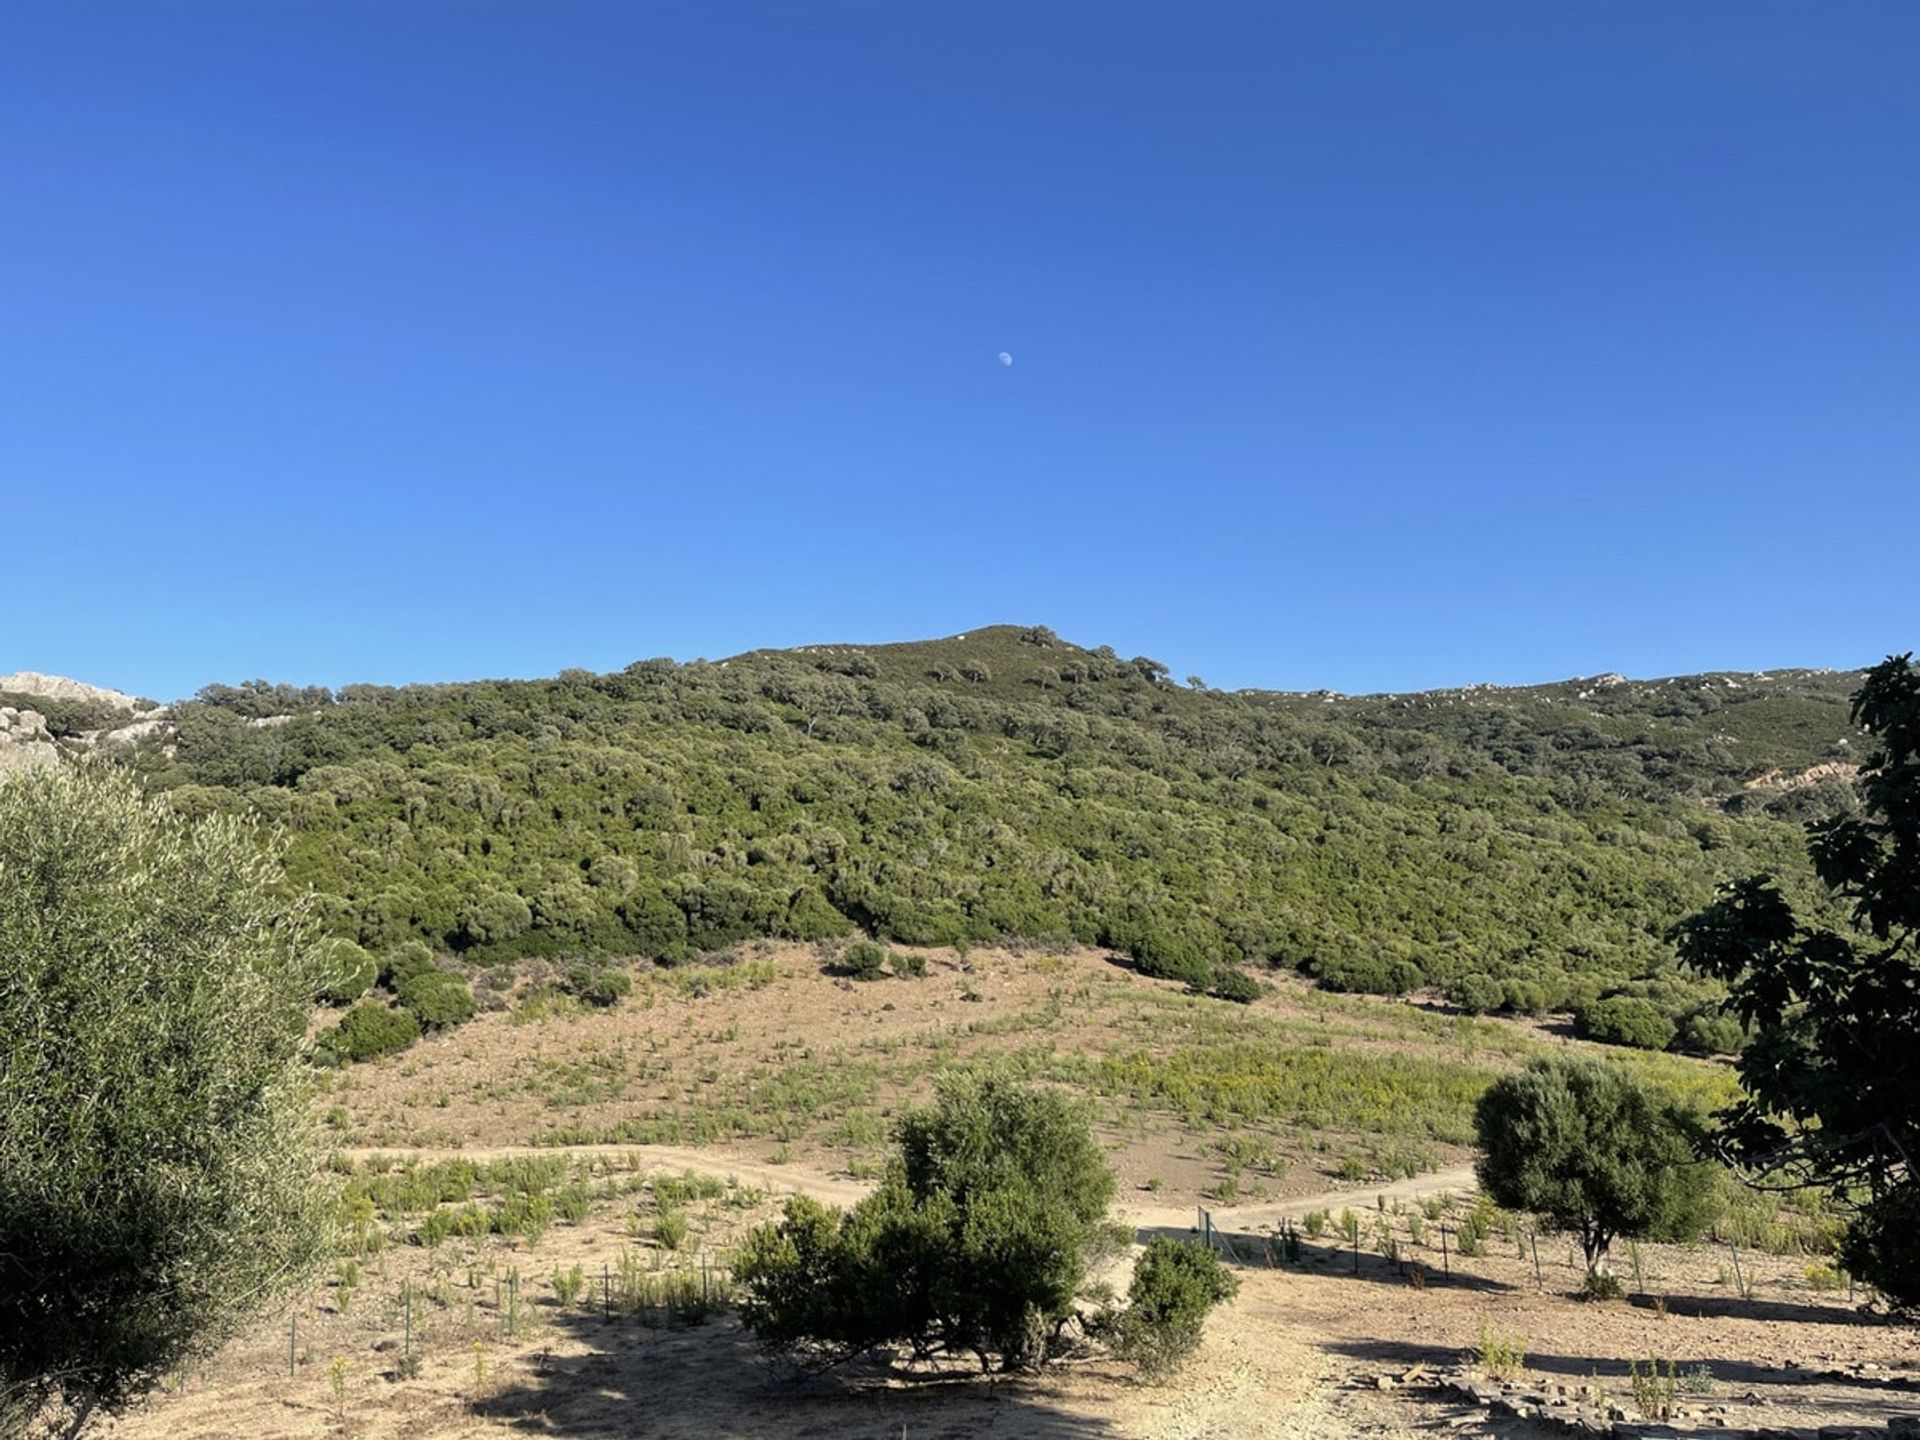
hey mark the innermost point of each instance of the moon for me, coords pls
(1005, 358)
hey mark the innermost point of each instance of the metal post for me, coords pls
(1534, 1239)
(406, 1300)
(293, 1341)
(1446, 1265)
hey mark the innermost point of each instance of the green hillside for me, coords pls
(1524, 848)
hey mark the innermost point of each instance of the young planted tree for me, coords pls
(1832, 1073)
(977, 1242)
(156, 1164)
(1590, 1149)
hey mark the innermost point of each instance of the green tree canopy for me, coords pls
(156, 1165)
(1832, 1073)
(1590, 1149)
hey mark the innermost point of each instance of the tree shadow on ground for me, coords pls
(1705, 1307)
(1735, 1374)
(712, 1380)
(1329, 1258)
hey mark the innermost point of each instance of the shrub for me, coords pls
(1625, 1020)
(1175, 1284)
(369, 1030)
(907, 965)
(1235, 985)
(1368, 974)
(670, 1229)
(977, 1241)
(1477, 994)
(1710, 1030)
(437, 998)
(349, 971)
(1883, 1243)
(404, 961)
(599, 985)
(864, 960)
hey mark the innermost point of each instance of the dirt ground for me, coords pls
(1302, 1351)
(1299, 1353)
(808, 1068)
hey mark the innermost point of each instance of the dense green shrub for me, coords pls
(1710, 1030)
(157, 1165)
(908, 965)
(1371, 974)
(1625, 1020)
(491, 917)
(368, 1031)
(349, 971)
(598, 984)
(1175, 1284)
(1229, 983)
(436, 998)
(1590, 1149)
(1882, 1244)
(977, 1241)
(402, 962)
(864, 960)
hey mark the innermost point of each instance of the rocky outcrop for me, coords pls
(24, 741)
(59, 687)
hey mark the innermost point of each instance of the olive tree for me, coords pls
(1590, 1149)
(156, 1164)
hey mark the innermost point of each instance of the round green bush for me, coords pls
(436, 998)
(1235, 985)
(370, 1030)
(1710, 1030)
(404, 961)
(1477, 994)
(907, 965)
(1368, 975)
(601, 986)
(349, 971)
(864, 960)
(1625, 1020)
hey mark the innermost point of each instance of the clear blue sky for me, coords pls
(1371, 346)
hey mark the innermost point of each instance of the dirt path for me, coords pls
(841, 1190)
(774, 1179)
(1248, 1219)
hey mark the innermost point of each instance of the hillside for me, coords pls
(1517, 848)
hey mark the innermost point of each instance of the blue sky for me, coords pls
(1370, 346)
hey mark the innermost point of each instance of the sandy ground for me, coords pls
(1298, 1354)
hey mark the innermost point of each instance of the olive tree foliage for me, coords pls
(1592, 1150)
(156, 1162)
(1832, 1073)
(976, 1244)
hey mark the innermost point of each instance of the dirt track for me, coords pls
(841, 1190)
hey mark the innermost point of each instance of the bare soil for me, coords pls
(1301, 1352)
